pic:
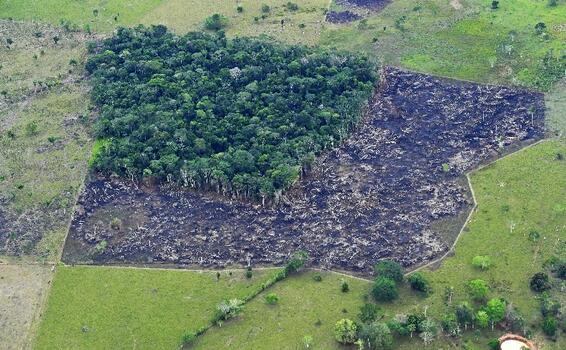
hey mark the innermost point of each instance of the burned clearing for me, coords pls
(346, 11)
(379, 195)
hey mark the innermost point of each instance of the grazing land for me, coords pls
(103, 308)
(464, 39)
(303, 25)
(516, 195)
(44, 141)
(420, 135)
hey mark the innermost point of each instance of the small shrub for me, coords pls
(493, 344)
(265, 8)
(549, 306)
(494, 5)
(345, 331)
(389, 269)
(540, 282)
(297, 261)
(249, 273)
(419, 283)
(552, 3)
(561, 270)
(549, 326)
(116, 224)
(240, 8)
(317, 277)
(100, 247)
(534, 236)
(308, 341)
(31, 128)
(188, 338)
(540, 28)
(216, 22)
(482, 262)
(272, 298)
(384, 289)
(369, 313)
(291, 6)
(344, 287)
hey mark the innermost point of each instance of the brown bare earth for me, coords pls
(22, 291)
(376, 196)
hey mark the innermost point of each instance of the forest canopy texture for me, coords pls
(244, 117)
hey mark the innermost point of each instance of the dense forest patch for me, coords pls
(243, 117)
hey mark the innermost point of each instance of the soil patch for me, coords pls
(22, 291)
(376, 196)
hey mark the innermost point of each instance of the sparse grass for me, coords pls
(556, 109)
(529, 184)
(44, 144)
(122, 308)
(473, 43)
(22, 290)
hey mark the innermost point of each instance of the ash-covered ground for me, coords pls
(377, 196)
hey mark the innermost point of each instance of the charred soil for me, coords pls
(379, 195)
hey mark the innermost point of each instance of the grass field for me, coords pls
(125, 308)
(555, 102)
(464, 39)
(301, 26)
(523, 192)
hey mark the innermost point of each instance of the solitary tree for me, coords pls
(465, 315)
(496, 311)
(375, 336)
(384, 289)
(389, 269)
(482, 262)
(419, 283)
(478, 289)
(369, 313)
(482, 319)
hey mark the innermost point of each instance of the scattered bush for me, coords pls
(493, 344)
(249, 273)
(419, 283)
(540, 28)
(265, 8)
(344, 287)
(389, 269)
(384, 289)
(345, 331)
(216, 22)
(31, 128)
(540, 282)
(272, 298)
(549, 306)
(369, 313)
(482, 262)
(494, 5)
(240, 8)
(317, 277)
(561, 270)
(495, 309)
(450, 325)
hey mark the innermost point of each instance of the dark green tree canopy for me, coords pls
(243, 117)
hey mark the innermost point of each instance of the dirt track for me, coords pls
(377, 196)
